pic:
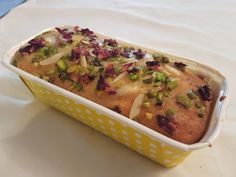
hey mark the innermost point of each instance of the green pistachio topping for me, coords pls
(148, 115)
(184, 101)
(158, 76)
(170, 112)
(159, 99)
(151, 94)
(192, 95)
(147, 81)
(156, 56)
(171, 85)
(160, 58)
(201, 111)
(46, 78)
(198, 104)
(61, 65)
(146, 104)
(133, 76)
(51, 71)
(78, 86)
(73, 68)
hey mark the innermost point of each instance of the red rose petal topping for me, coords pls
(77, 52)
(109, 70)
(139, 54)
(103, 85)
(110, 42)
(126, 66)
(87, 32)
(153, 65)
(33, 45)
(180, 65)
(167, 124)
(67, 35)
(204, 92)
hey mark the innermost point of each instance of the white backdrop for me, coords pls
(38, 141)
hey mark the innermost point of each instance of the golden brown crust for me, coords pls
(185, 124)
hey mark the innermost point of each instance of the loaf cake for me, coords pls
(157, 91)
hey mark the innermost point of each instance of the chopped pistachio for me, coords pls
(78, 86)
(198, 104)
(90, 68)
(133, 76)
(158, 76)
(46, 78)
(63, 76)
(156, 84)
(51, 71)
(172, 84)
(146, 104)
(147, 81)
(151, 94)
(61, 65)
(146, 71)
(46, 52)
(166, 93)
(201, 111)
(35, 74)
(165, 59)
(100, 69)
(116, 69)
(159, 99)
(170, 112)
(184, 101)
(71, 87)
(160, 58)
(36, 64)
(73, 68)
(148, 115)
(156, 56)
(192, 95)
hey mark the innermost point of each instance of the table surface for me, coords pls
(38, 141)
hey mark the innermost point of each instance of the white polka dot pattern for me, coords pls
(130, 137)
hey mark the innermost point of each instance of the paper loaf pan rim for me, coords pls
(217, 115)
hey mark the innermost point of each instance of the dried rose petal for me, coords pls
(87, 32)
(103, 54)
(139, 54)
(132, 70)
(110, 90)
(102, 85)
(152, 65)
(77, 52)
(116, 109)
(115, 52)
(33, 45)
(109, 70)
(84, 79)
(126, 66)
(67, 35)
(165, 123)
(110, 42)
(180, 65)
(126, 54)
(204, 92)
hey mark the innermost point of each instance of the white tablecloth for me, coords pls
(38, 141)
